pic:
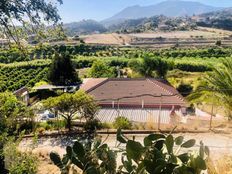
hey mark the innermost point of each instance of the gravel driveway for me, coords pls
(219, 144)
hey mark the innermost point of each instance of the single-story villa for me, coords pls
(53, 87)
(23, 95)
(139, 100)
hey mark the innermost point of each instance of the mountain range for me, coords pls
(171, 8)
(84, 27)
(167, 15)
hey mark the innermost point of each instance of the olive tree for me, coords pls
(100, 69)
(28, 14)
(70, 105)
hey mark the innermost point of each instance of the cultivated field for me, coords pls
(207, 33)
(107, 39)
(200, 37)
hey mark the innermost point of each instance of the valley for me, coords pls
(115, 87)
(201, 37)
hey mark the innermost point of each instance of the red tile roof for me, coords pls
(90, 83)
(133, 92)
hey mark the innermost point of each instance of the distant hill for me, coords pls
(84, 27)
(171, 8)
(155, 23)
(221, 19)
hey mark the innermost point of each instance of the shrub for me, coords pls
(26, 126)
(50, 125)
(106, 125)
(218, 43)
(44, 125)
(40, 130)
(56, 124)
(122, 123)
(185, 89)
(92, 125)
(19, 162)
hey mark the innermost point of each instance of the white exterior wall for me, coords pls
(136, 115)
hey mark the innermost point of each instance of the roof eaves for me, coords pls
(97, 85)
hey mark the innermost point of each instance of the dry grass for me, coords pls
(111, 39)
(45, 164)
(151, 123)
(204, 32)
(220, 166)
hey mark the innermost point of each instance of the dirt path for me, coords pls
(220, 145)
(216, 142)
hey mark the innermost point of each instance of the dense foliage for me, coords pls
(99, 69)
(46, 51)
(18, 162)
(16, 75)
(13, 114)
(84, 56)
(14, 54)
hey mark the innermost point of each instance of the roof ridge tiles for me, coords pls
(166, 90)
(149, 80)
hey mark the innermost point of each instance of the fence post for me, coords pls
(118, 109)
(160, 109)
(211, 117)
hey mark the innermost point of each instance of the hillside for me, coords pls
(155, 23)
(221, 19)
(168, 8)
(84, 27)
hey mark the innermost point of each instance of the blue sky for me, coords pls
(76, 10)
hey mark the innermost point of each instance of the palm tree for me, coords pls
(216, 87)
(147, 65)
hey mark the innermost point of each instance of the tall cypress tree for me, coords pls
(62, 72)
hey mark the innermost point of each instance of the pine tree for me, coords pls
(62, 72)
